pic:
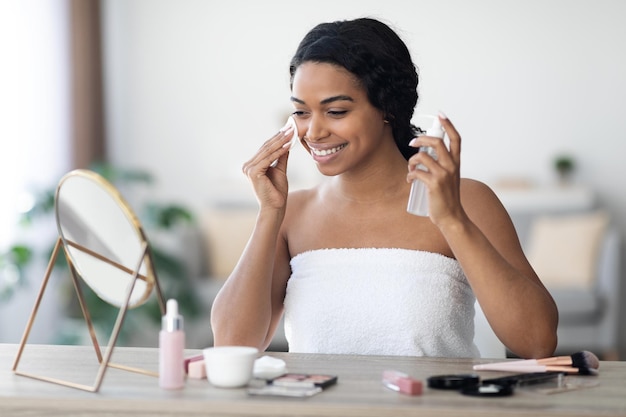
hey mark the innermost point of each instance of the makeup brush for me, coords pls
(583, 359)
(504, 367)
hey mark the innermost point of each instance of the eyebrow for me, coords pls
(332, 99)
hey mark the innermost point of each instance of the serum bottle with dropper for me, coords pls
(171, 348)
(418, 198)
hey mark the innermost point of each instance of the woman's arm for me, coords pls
(248, 307)
(517, 305)
(482, 238)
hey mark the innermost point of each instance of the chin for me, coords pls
(327, 172)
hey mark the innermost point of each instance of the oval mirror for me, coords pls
(103, 238)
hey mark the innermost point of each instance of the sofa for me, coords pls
(574, 247)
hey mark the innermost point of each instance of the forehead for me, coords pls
(313, 80)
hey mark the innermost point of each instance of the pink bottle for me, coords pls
(171, 348)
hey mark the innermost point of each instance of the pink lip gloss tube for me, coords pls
(171, 348)
(400, 382)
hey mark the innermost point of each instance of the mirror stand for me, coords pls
(103, 360)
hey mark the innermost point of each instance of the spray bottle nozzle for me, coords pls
(436, 130)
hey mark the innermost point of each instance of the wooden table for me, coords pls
(359, 391)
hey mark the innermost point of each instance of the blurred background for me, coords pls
(182, 92)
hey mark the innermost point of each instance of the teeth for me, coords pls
(324, 152)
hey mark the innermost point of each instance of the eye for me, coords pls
(299, 113)
(337, 113)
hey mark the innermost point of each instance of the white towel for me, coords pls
(379, 302)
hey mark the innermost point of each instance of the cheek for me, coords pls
(348, 131)
(370, 127)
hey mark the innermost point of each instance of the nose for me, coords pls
(315, 129)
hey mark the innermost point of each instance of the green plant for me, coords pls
(564, 164)
(12, 264)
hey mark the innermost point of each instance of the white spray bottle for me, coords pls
(418, 198)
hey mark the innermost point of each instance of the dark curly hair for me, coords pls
(378, 58)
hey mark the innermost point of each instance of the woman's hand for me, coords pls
(267, 170)
(442, 178)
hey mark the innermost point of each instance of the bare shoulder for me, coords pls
(483, 207)
(298, 199)
(474, 192)
(482, 204)
(299, 202)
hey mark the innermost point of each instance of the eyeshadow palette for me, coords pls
(294, 385)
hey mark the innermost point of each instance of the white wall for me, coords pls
(34, 103)
(34, 146)
(195, 86)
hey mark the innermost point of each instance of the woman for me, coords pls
(350, 268)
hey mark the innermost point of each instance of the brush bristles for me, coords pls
(587, 371)
(585, 359)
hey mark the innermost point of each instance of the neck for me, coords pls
(381, 183)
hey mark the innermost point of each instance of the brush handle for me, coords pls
(497, 365)
(557, 360)
(505, 367)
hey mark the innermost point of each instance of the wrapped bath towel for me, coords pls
(379, 302)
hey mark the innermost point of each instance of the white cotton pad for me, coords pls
(295, 138)
(267, 367)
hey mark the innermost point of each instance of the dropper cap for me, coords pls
(172, 320)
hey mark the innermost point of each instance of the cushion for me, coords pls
(563, 249)
(577, 307)
(226, 232)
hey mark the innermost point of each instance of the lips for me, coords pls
(329, 151)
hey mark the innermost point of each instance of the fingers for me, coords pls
(439, 161)
(270, 154)
(433, 156)
(281, 162)
(453, 136)
(439, 169)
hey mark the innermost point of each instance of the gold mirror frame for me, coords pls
(71, 249)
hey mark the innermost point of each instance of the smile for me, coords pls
(324, 152)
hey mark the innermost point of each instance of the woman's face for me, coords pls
(339, 126)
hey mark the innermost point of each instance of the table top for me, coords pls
(358, 392)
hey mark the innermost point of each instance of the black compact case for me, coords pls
(469, 384)
(453, 382)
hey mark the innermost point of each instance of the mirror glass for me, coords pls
(103, 238)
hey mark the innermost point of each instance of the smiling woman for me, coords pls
(351, 270)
